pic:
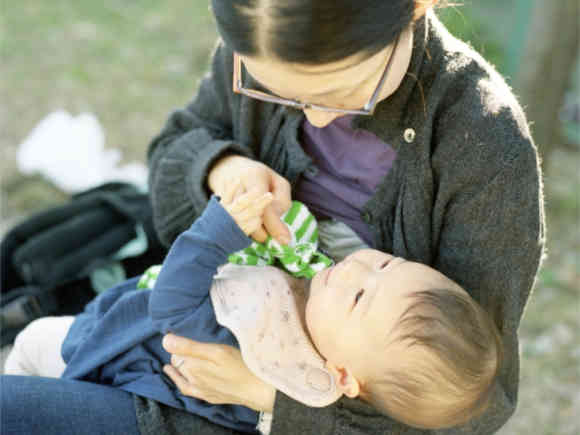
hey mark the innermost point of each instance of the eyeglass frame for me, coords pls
(368, 108)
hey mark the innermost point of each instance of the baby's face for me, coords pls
(353, 306)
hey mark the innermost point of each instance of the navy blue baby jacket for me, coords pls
(117, 339)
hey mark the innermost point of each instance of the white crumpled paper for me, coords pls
(70, 152)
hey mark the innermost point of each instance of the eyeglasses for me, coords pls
(368, 108)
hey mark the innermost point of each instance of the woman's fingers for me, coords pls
(215, 373)
(177, 361)
(190, 387)
(177, 345)
(282, 191)
(260, 235)
(274, 225)
(231, 191)
(176, 376)
(182, 383)
(250, 225)
(185, 347)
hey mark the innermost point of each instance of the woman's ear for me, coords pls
(421, 7)
(345, 381)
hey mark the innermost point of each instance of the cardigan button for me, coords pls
(409, 135)
(366, 217)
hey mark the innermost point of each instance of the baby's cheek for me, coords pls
(314, 321)
(310, 316)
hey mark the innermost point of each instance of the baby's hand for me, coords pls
(246, 208)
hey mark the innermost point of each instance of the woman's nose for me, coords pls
(319, 118)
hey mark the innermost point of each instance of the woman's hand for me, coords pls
(215, 373)
(255, 175)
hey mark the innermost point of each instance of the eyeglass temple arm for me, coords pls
(379, 87)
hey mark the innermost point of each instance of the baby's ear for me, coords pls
(345, 381)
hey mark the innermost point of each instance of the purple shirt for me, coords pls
(349, 166)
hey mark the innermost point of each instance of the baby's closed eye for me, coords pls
(384, 264)
(358, 296)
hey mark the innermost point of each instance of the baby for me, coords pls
(397, 334)
(404, 338)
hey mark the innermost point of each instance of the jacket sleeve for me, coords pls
(488, 214)
(193, 139)
(180, 301)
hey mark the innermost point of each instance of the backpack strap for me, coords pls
(46, 260)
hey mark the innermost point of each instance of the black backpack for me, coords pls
(46, 260)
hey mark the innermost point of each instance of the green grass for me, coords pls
(131, 63)
(465, 23)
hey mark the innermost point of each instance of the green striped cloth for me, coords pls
(300, 257)
(149, 277)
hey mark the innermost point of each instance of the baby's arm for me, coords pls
(182, 287)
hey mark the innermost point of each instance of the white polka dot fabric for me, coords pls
(264, 308)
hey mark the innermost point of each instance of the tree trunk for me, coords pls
(546, 70)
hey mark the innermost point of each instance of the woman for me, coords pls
(394, 133)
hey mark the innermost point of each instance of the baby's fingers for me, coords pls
(247, 213)
(246, 199)
(251, 225)
(232, 190)
(262, 202)
(257, 207)
(253, 208)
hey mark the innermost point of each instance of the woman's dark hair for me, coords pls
(311, 31)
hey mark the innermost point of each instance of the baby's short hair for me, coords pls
(455, 354)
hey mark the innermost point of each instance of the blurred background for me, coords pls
(131, 63)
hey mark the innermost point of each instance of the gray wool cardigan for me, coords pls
(464, 196)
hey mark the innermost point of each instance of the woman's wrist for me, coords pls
(269, 399)
(260, 396)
